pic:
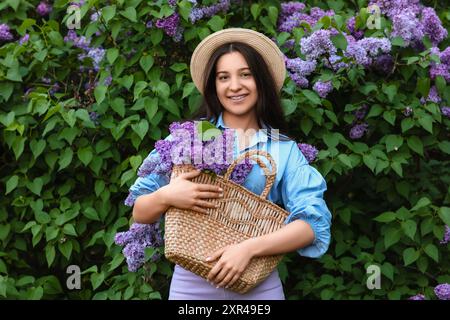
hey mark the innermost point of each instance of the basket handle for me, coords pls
(270, 175)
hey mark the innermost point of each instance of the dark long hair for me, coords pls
(268, 104)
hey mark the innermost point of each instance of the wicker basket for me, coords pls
(190, 236)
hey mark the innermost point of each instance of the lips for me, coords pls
(238, 97)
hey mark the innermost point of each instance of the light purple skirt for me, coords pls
(186, 285)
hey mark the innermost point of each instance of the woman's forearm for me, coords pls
(148, 208)
(293, 236)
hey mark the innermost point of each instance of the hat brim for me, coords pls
(270, 52)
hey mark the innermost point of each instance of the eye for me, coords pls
(246, 74)
(221, 77)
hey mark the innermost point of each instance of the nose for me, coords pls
(235, 83)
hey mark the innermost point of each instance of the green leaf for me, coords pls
(389, 116)
(444, 146)
(85, 155)
(100, 93)
(273, 15)
(138, 88)
(112, 54)
(410, 228)
(207, 130)
(116, 261)
(407, 124)
(216, 23)
(393, 142)
(423, 202)
(141, 128)
(415, 144)
(388, 270)
(6, 89)
(35, 186)
(444, 214)
(66, 249)
(37, 147)
(289, 106)
(312, 96)
(390, 91)
(65, 158)
(370, 161)
(423, 86)
(385, 217)
(391, 237)
(331, 139)
(69, 229)
(129, 13)
(255, 10)
(345, 160)
(426, 121)
(339, 41)
(398, 42)
(11, 184)
(97, 279)
(146, 62)
(108, 13)
(432, 252)
(50, 254)
(410, 255)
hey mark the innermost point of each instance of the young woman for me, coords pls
(240, 73)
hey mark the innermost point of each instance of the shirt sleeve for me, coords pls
(302, 192)
(149, 178)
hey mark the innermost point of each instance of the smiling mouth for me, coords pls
(238, 98)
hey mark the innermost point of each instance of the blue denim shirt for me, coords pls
(298, 187)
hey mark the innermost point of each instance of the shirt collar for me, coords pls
(260, 136)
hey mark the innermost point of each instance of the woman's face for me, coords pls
(235, 84)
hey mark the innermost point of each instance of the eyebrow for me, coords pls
(227, 71)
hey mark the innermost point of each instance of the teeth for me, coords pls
(238, 97)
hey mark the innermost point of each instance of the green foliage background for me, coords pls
(64, 177)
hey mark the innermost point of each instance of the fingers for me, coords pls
(235, 278)
(199, 209)
(224, 283)
(206, 204)
(209, 187)
(204, 195)
(190, 174)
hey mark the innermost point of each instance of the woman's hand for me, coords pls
(184, 194)
(233, 260)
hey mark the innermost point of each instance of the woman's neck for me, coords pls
(240, 122)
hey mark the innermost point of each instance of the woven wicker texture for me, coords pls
(190, 236)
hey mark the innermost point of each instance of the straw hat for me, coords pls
(265, 46)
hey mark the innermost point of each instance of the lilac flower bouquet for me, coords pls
(199, 144)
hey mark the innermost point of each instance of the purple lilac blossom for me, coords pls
(442, 291)
(24, 39)
(432, 26)
(149, 24)
(299, 80)
(309, 151)
(394, 7)
(135, 240)
(169, 24)
(5, 33)
(433, 96)
(445, 111)
(302, 67)
(323, 88)
(317, 44)
(446, 238)
(43, 8)
(407, 26)
(198, 13)
(351, 25)
(358, 130)
(361, 112)
(417, 297)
